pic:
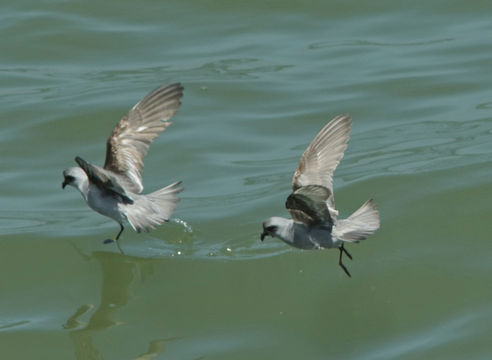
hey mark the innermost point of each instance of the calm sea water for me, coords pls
(261, 79)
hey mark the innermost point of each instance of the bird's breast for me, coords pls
(104, 203)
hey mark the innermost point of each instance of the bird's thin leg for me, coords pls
(119, 247)
(117, 237)
(121, 230)
(346, 252)
(342, 250)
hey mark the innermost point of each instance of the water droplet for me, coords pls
(184, 224)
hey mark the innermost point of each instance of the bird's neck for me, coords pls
(83, 187)
(286, 233)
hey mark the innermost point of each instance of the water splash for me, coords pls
(186, 226)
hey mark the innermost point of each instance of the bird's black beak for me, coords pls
(64, 183)
(263, 234)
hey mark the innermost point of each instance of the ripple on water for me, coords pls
(173, 240)
(8, 325)
(10, 224)
(439, 336)
(430, 146)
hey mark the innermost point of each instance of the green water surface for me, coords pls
(261, 79)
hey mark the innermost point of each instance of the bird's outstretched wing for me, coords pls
(322, 156)
(132, 136)
(307, 204)
(105, 180)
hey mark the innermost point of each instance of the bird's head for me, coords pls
(274, 227)
(75, 177)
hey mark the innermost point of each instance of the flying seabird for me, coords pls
(115, 189)
(314, 223)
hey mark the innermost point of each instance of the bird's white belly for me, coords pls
(104, 204)
(323, 238)
(314, 238)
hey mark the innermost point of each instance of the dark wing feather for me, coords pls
(308, 205)
(105, 180)
(132, 136)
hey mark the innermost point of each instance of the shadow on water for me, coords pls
(119, 274)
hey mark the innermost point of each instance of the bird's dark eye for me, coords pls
(69, 178)
(271, 228)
